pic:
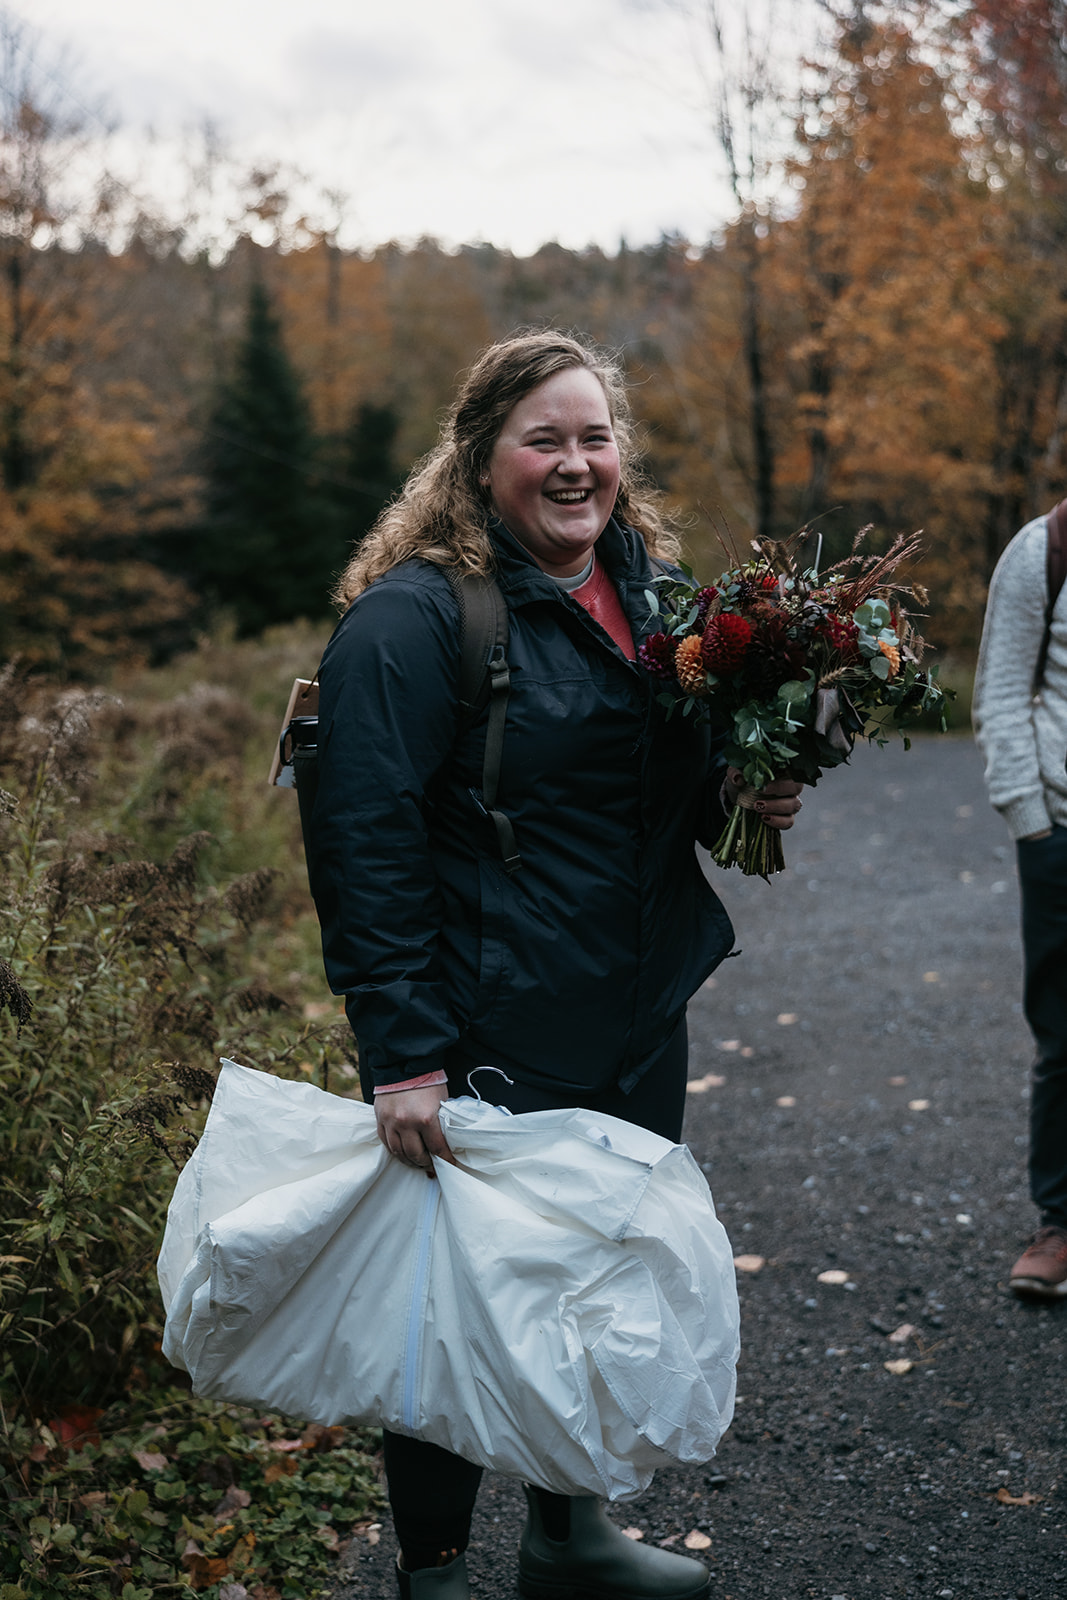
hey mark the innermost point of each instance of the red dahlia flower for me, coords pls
(777, 658)
(656, 655)
(726, 638)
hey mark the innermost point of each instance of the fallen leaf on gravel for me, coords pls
(1024, 1499)
(918, 1105)
(749, 1263)
(784, 1019)
(671, 1538)
(931, 977)
(150, 1460)
(899, 1367)
(897, 1083)
(633, 1533)
(832, 1275)
(729, 1044)
(710, 1080)
(786, 1100)
(901, 1335)
(695, 1540)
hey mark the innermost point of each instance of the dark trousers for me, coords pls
(432, 1492)
(1043, 880)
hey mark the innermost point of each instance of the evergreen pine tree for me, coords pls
(362, 475)
(265, 550)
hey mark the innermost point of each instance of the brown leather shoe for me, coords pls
(1041, 1271)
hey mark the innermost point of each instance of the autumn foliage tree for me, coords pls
(887, 267)
(878, 334)
(1015, 66)
(75, 585)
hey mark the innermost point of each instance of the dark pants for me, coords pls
(1043, 879)
(432, 1492)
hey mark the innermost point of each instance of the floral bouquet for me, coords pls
(793, 666)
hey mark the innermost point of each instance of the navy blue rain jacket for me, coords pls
(572, 972)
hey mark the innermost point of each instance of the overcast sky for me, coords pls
(514, 121)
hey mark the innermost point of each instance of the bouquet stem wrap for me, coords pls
(747, 841)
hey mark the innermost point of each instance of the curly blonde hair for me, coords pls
(442, 513)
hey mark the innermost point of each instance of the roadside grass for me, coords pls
(155, 917)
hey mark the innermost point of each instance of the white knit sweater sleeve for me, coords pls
(1020, 738)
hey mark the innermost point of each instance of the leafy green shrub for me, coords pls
(181, 1496)
(155, 916)
(122, 979)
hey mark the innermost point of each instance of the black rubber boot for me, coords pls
(597, 1562)
(435, 1583)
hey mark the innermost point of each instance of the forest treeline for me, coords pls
(185, 433)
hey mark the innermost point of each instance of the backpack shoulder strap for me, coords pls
(1056, 573)
(484, 676)
(483, 634)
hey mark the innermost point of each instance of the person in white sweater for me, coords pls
(1023, 738)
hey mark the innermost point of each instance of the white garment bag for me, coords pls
(561, 1306)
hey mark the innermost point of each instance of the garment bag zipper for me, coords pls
(416, 1305)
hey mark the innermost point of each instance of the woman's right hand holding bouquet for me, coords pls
(776, 804)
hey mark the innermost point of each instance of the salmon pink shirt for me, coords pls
(599, 597)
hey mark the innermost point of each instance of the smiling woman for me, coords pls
(570, 972)
(553, 474)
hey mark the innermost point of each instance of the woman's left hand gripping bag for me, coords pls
(561, 1306)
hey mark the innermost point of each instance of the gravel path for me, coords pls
(859, 1105)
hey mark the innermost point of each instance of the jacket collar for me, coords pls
(620, 548)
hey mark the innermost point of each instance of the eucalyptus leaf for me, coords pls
(872, 616)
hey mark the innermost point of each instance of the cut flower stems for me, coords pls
(792, 665)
